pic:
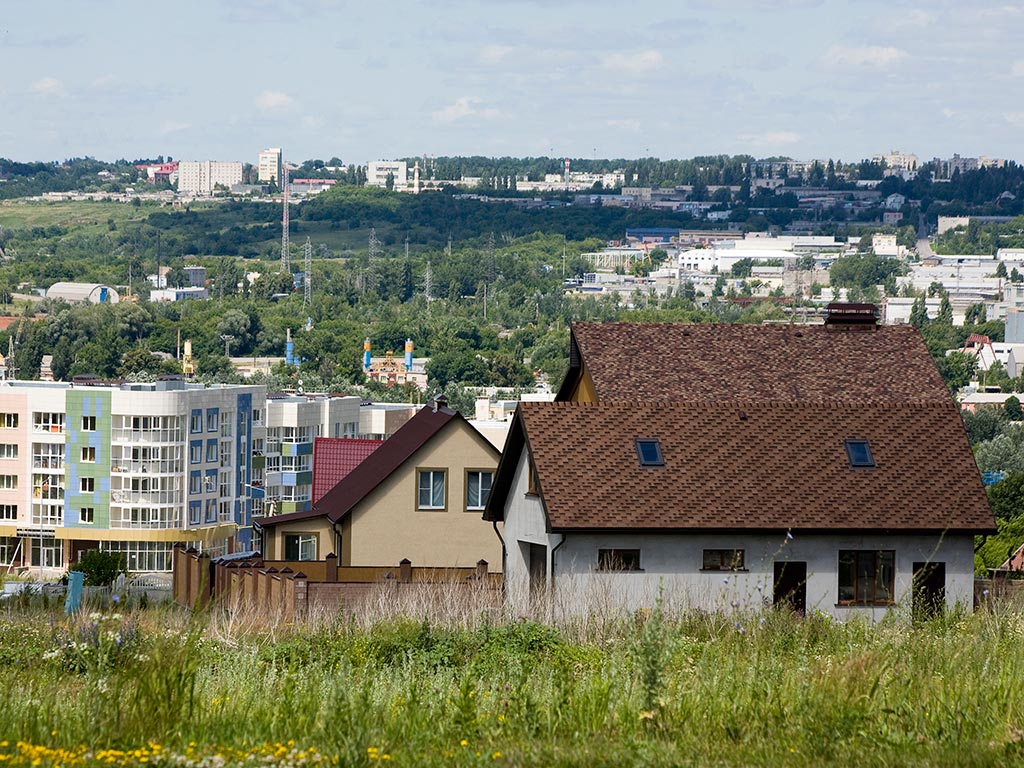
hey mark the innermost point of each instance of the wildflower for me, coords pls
(789, 536)
(464, 743)
(725, 580)
(648, 714)
(984, 592)
(760, 588)
(741, 629)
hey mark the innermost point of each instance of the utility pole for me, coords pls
(227, 344)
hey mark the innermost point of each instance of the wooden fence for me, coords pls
(291, 588)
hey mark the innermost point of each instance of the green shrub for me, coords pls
(100, 568)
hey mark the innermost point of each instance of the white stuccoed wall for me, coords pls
(672, 563)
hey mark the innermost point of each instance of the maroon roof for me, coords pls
(748, 466)
(712, 362)
(334, 458)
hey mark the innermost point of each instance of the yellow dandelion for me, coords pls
(464, 743)
(495, 755)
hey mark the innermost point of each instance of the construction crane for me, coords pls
(285, 266)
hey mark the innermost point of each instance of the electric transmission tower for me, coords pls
(285, 266)
(307, 272)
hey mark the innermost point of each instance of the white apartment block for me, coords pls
(130, 468)
(268, 166)
(201, 177)
(377, 172)
(285, 465)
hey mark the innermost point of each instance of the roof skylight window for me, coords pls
(859, 453)
(649, 452)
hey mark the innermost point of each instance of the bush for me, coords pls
(100, 568)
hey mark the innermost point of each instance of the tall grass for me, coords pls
(663, 688)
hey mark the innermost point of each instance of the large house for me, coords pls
(418, 496)
(729, 467)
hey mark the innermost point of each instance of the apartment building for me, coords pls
(201, 177)
(377, 172)
(284, 462)
(268, 166)
(128, 468)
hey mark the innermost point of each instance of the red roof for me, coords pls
(334, 458)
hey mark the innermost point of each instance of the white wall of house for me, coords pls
(672, 564)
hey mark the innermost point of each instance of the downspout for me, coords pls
(551, 580)
(504, 559)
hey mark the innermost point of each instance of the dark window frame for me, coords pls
(640, 443)
(729, 559)
(618, 560)
(866, 460)
(866, 577)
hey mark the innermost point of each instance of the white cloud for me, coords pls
(172, 127)
(633, 63)
(626, 124)
(492, 54)
(47, 86)
(271, 101)
(863, 57)
(464, 106)
(771, 138)
(1017, 70)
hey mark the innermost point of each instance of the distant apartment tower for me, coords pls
(377, 172)
(285, 465)
(268, 168)
(201, 177)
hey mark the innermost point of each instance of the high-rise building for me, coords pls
(201, 177)
(268, 167)
(128, 468)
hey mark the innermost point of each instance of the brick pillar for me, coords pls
(405, 571)
(331, 569)
(481, 570)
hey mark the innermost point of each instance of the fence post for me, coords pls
(405, 571)
(301, 594)
(331, 567)
(481, 570)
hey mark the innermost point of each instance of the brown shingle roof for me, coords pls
(756, 466)
(684, 362)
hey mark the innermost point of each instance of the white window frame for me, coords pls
(429, 491)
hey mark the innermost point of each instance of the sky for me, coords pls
(363, 80)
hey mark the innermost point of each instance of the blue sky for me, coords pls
(222, 79)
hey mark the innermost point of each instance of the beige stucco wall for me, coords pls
(273, 538)
(387, 526)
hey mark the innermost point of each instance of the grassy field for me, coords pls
(22, 214)
(157, 687)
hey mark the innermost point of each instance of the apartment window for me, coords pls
(48, 422)
(866, 577)
(212, 421)
(618, 559)
(195, 512)
(88, 423)
(859, 453)
(8, 511)
(8, 546)
(648, 450)
(87, 515)
(87, 484)
(211, 510)
(8, 421)
(8, 451)
(478, 488)
(89, 454)
(300, 546)
(257, 416)
(723, 560)
(195, 423)
(225, 424)
(195, 483)
(46, 553)
(8, 482)
(195, 452)
(431, 489)
(211, 451)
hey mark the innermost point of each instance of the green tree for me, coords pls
(1013, 409)
(743, 268)
(919, 313)
(1001, 269)
(1007, 497)
(100, 568)
(945, 314)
